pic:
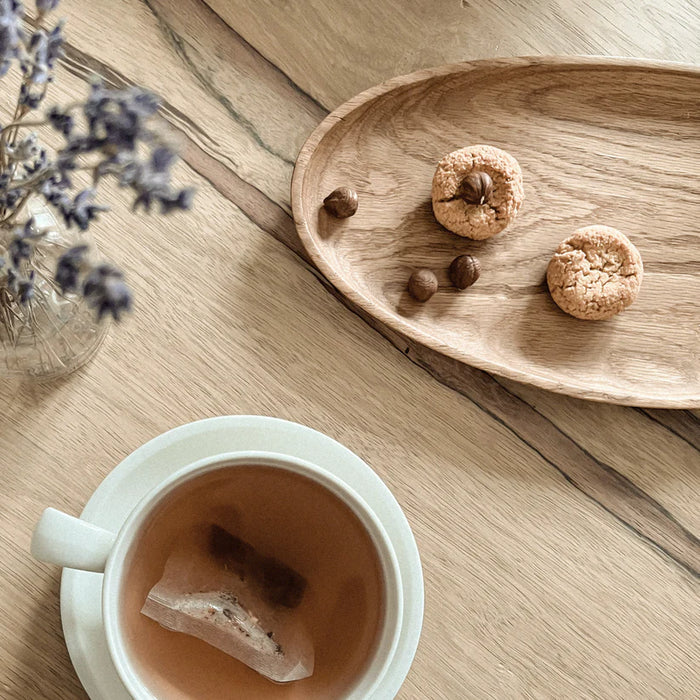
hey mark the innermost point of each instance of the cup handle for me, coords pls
(61, 539)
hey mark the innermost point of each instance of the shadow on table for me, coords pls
(22, 399)
(43, 668)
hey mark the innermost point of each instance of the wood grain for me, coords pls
(611, 142)
(556, 534)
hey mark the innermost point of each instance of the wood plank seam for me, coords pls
(282, 75)
(179, 47)
(681, 423)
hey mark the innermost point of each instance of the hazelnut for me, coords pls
(341, 203)
(464, 271)
(422, 284)
(476, 188)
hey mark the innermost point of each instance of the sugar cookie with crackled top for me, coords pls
(477, 191)
(595, 273)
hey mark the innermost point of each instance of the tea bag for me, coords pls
(218, 588)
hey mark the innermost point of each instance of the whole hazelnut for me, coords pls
(341, 203)
(476, 188)
(464, 271)
(422, 284)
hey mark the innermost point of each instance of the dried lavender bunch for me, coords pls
(113, 133)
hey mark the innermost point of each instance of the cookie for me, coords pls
(477, 191)
(595, 273)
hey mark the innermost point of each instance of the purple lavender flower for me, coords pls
(118, 136)
(9, 198)
(138, 100)
(61, 120)
(117, 123)
(39, 163)
(124, 164)
(26, 149)
(76, 146)
(162, 160)
(25, 288)
(40, 57)
(11, 32)
(152, 180)
(37, 65)
(21, 287)
(82, 211)
(20, 247)
(44, 6)
(53, 190)
(181, 199)
(105, 290)
(152, 183)
(68, 268)
(54, 49)
(117, 117)
(27, 98)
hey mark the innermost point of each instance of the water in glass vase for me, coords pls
(53, 333)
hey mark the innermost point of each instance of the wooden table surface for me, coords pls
(558, 537)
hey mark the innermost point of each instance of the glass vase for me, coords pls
(54, 333)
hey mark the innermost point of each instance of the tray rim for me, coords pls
(398, 324)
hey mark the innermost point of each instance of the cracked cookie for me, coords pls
(595, 273)
(477, 191)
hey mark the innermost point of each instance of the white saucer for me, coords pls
(146, 467)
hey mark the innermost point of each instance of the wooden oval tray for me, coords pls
(606, 141)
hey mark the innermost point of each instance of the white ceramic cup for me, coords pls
(62, 539)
